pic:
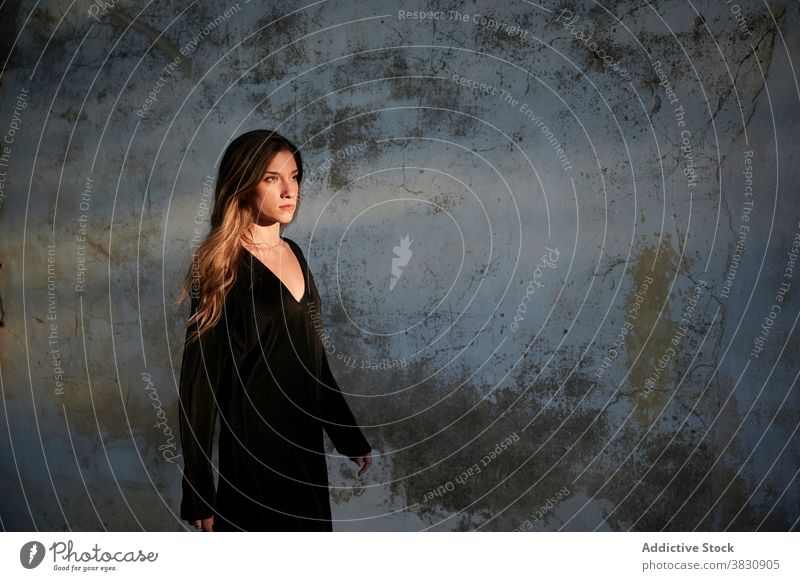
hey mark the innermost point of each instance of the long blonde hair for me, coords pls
(213, 272)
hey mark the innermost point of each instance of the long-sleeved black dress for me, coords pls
(263, 369)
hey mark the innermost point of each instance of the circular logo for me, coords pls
(31, 554)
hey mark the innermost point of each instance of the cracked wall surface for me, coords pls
(592, 209)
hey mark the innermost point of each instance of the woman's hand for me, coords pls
(364, 462)
(206, 524)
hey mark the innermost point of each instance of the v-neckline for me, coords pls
(283, 286)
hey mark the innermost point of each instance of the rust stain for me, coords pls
(662, 268)
(98, 247)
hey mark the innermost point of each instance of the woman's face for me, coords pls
(275, 196)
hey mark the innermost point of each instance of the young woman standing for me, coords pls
(254, 358)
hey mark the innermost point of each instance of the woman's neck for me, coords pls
(265, 235)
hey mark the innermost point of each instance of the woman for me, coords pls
(253, 357)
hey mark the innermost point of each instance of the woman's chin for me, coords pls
(270, 220)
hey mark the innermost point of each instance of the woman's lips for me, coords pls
(287, 207)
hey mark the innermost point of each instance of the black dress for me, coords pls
(263, 369)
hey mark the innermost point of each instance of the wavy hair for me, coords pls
(213, 271)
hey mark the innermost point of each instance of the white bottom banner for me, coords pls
(398, 555)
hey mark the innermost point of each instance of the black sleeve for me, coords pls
(206, 366)
(335, 415)
(337, 419)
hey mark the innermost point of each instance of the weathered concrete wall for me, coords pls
(585, 327)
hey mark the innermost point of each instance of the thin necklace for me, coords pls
(267, 244)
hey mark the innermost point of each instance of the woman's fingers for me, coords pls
(206, 524)
(364, 462)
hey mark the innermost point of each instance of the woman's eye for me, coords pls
(274, 178)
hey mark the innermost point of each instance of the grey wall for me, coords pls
(655, 155)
